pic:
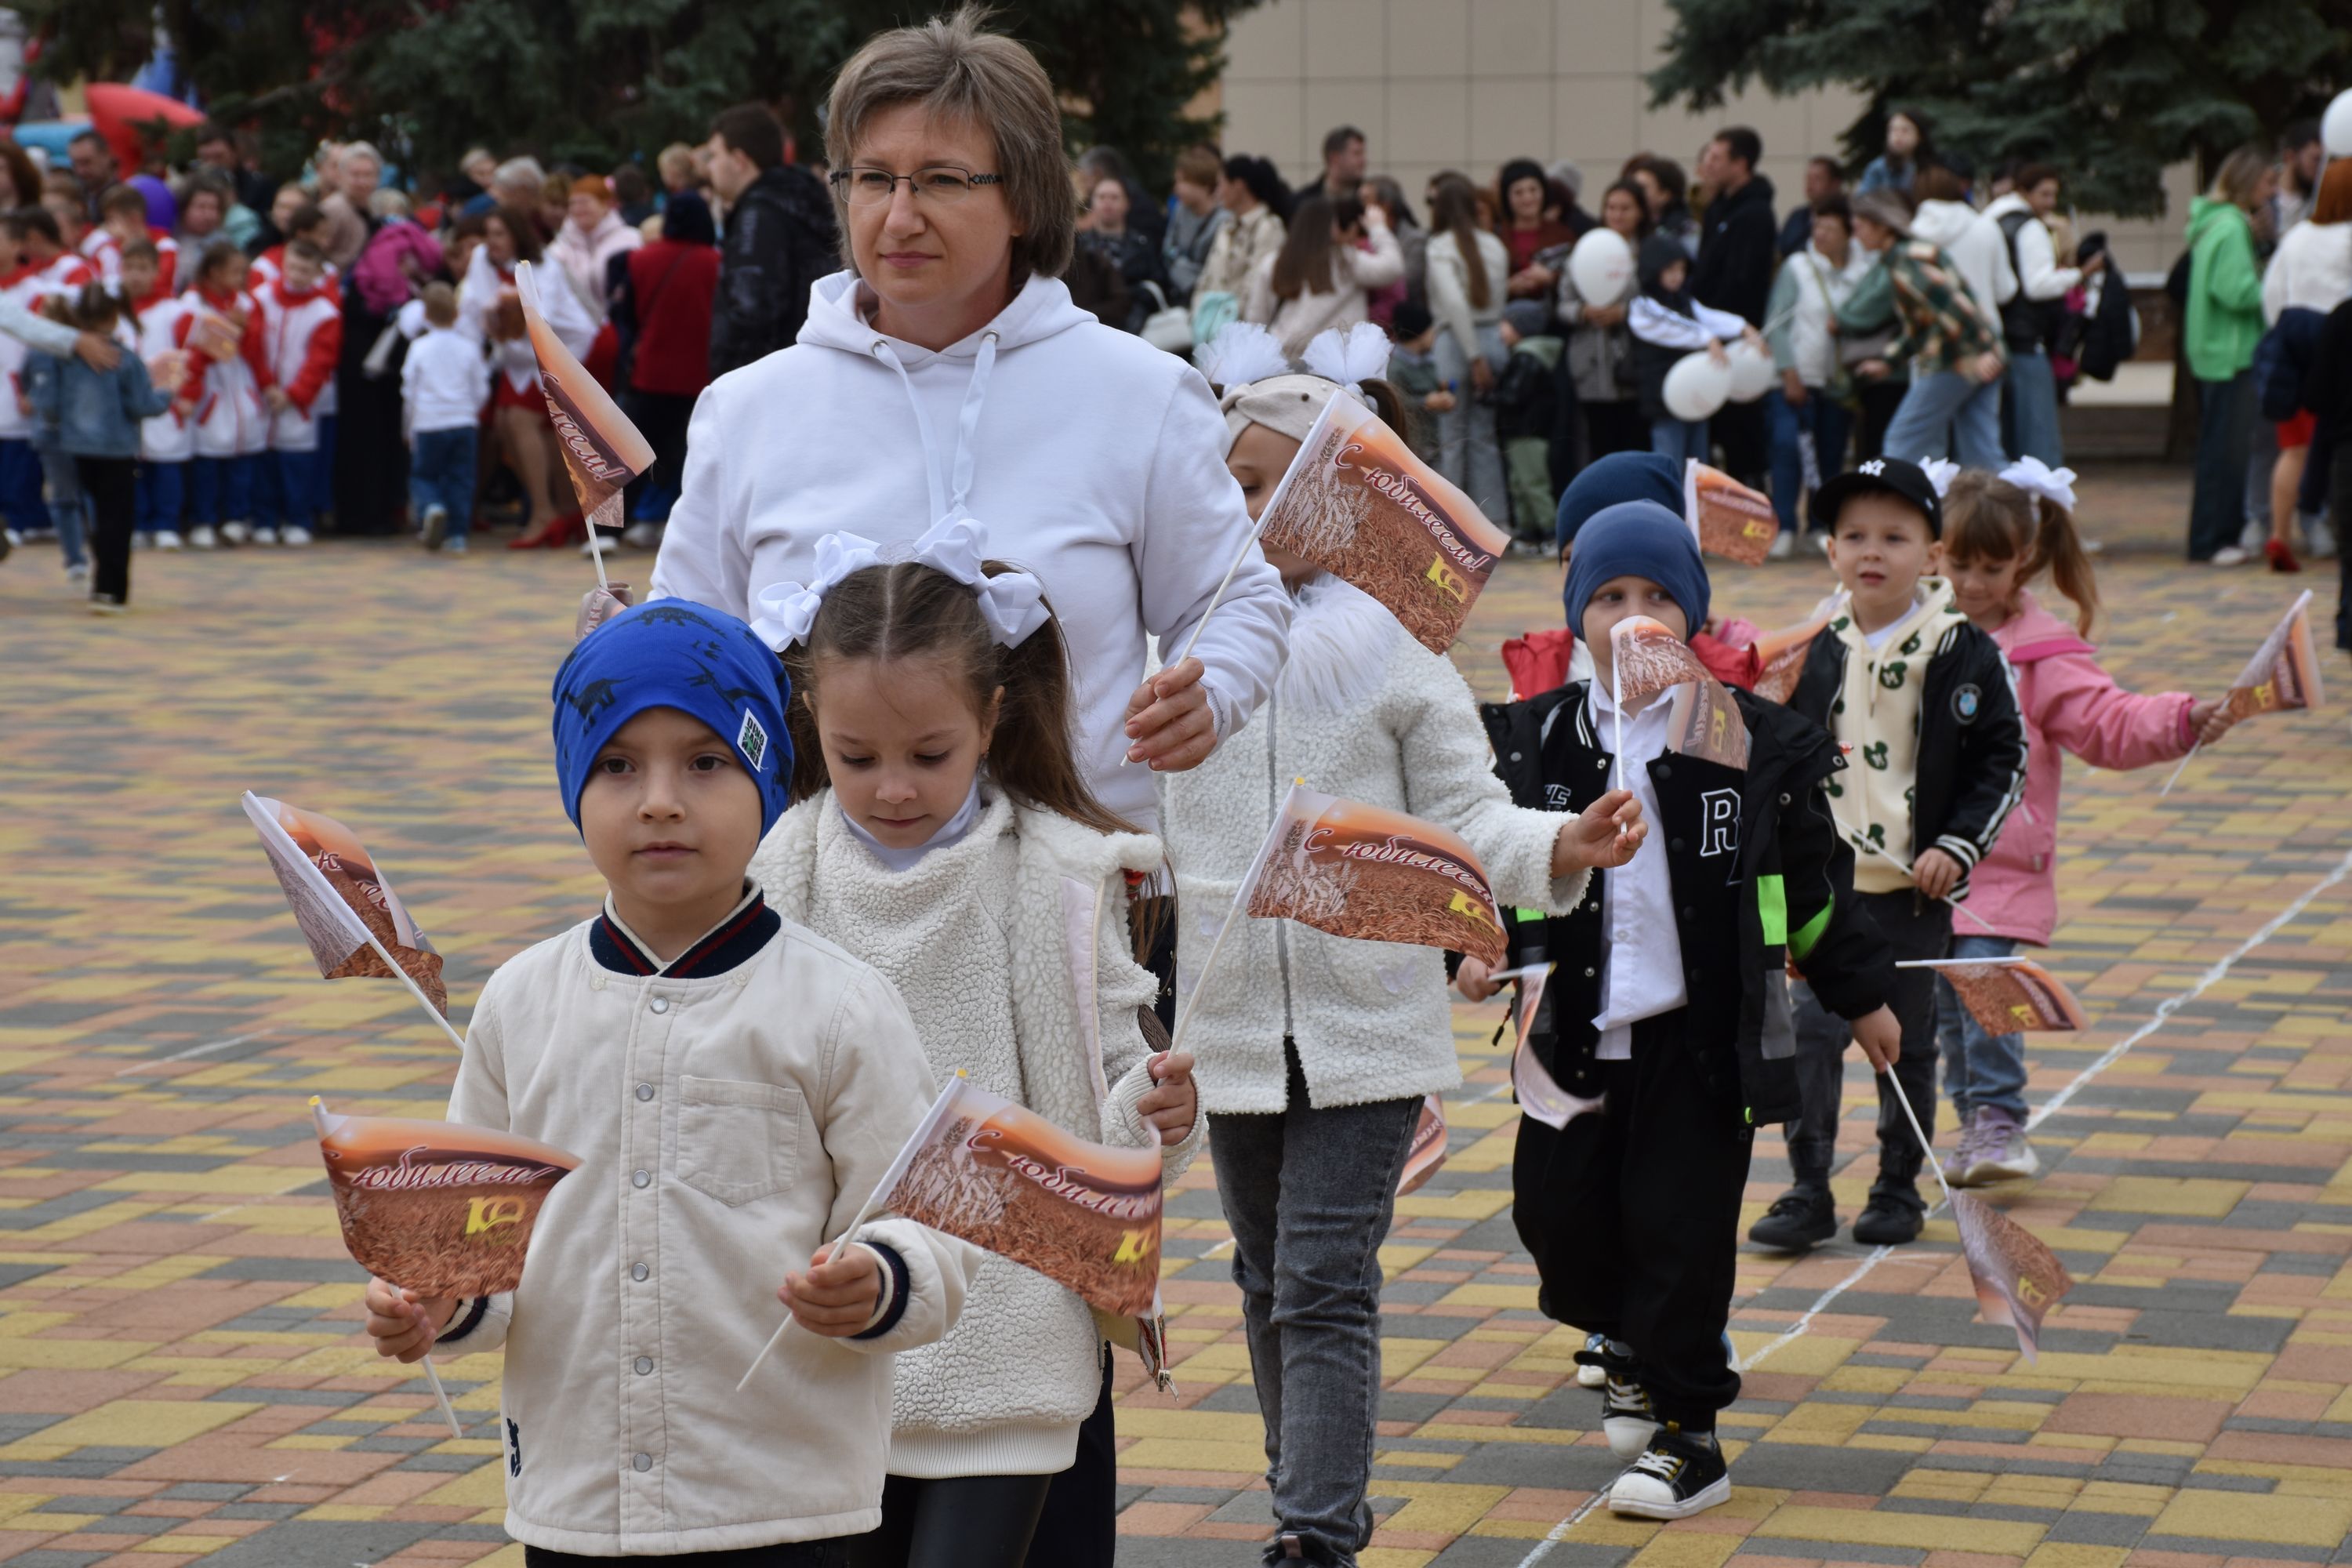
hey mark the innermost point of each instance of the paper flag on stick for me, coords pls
(1427, 1151)
(1705, 722)
(1649, 659)
(436, 1207)
(1358, 870)
(352, 919)
(1539, 1094)
(1727, 517)
(602, 450)
(2284, 674)
(2018, 1278)
(2009, 997)
(1358, 503)
(1780, 659)
(1084, 1214)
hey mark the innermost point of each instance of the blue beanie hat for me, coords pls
(1617, 477)
(1637, 539)
(674, 653)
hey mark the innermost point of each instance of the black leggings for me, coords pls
(963, 1521)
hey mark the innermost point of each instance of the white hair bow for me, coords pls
(1358, 356)
(1012, 603)
(1245, 352)
(2035, 477)
(787, 610)
(1939, 472)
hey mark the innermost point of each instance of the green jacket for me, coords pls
(2225, 291)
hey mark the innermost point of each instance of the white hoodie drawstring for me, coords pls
(945, 504)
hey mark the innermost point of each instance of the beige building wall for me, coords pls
(1465, 84)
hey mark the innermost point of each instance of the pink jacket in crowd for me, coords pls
(2069, 704)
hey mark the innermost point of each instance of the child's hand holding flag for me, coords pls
(1604, 835)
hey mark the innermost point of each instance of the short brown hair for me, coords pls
(750, 129)
(142, 250)
(303, 250)
(957, 70)
(1935, 183)
(440, 304)
(2034, 175)
(1199, 166)
(123, 199)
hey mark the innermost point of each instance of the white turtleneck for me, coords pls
(951, 832)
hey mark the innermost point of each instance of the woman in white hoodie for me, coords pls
(947, 374)
(1972, 240)
(943, 833)
(1326, 1047)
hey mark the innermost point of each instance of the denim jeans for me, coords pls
(20, 488)
(162, 488)
(220, 489)
(1980, 1069)
(1309, 1194)
(1468, 452)
(441, 473)
(2034, 406)
(291, 486)
(1825, 420)
(1678, 439)
(69, 508)
(1934, 405)
(2225, 430)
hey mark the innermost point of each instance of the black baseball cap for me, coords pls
(1885, 475)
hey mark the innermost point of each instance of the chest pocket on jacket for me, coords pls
(737, 1142)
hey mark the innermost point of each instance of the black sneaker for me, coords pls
(1893, 1216)
(1678, 1475)
(1799, 1218)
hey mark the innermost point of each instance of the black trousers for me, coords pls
(1915, 927)
(1879, 401)
(1739, 429)
(1633, 1214)
(2339, 513)
(662, 418)
(963, 1521)
(1079, 1528)
(829, 1553)
(112, 486)
(1611, 427)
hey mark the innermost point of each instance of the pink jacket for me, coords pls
(2069, 704)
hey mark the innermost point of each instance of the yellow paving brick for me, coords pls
(1921, 1531)
(484, 1487)
(2198, 1197)
(2250, 1516)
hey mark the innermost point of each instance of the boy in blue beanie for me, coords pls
(1667, 1002)
(734, 1088)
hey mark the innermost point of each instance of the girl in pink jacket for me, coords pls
(2000, 533)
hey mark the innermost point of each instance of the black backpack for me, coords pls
(2027, 325)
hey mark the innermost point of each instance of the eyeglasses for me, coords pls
(864, 186)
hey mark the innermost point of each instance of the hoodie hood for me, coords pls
(2034, 634)
(1942, 222)
(1659, 252)
(2205, 212)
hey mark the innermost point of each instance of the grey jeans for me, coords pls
(1309, 1194)
(1916, 927)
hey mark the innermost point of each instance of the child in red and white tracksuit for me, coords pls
(231, 419)
(122, 223)
(302, 331)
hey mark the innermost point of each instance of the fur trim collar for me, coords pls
(1342, 640)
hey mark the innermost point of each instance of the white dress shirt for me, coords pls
(1642, 953)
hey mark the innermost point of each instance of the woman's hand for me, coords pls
(1603, 315)
(1874, 370)
(1471, 979)
(838, 1295)
(2208, 721)
(1439, 402)
(1714, 352)
(1988, 367)
(1172, 1102)
(1605, 833)
(403, 1324)
(1168, 724)
(1482, 374)
(1792, 389)
(97, 350)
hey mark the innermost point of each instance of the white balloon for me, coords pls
(1601, 266)
(2335, 126)
(1752, 375)
(1697, 387)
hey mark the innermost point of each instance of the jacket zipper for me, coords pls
(1274, 805)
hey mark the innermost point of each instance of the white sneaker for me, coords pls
(169, 539)
(433, 527)
(642, 536)
(78, 572)
(142, 540)
(1588, 1376)
(2254, 535)
(454, 546)
(202, 536)
(295, 534)
(12, 536)
(2000, 1150)
(2230, 555)
(1782, 543)
(598, 542)
(235, 533)
(263, 533)
(2318, 539)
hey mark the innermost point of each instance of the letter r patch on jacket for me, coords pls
(1718, 829)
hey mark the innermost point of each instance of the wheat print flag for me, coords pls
(2284, 674)
(1539, 1093)
(602, 450)
(1360, 504)
(1780, 659)
(1427, 1150)
(1726, 517)
(352, 919)
(2018, 1278)
(1358, 870)
(2008, 996)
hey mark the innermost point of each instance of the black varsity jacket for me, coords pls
(1971, 772)
(1761, 875)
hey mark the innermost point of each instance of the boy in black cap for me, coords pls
(1924, 702)
(1667, 1002)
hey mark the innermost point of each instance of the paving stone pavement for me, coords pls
(180, 1377)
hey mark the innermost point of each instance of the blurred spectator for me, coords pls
(93, 166)
(1144, 214)
(633, 194)
(1197, 220)
(1106, 226)
(1667, 191)
(216, 150)
(1527, 229)
(1318, 278)
(780, 238)
(1823, 180)
(1255, 195)
(1343, 165)
(591, 236)
(663, 312)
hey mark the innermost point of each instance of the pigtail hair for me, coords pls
(1034, 756)
(2058, 550)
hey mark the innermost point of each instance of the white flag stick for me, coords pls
(1951, 963)
(442, 1395)
(417, 991)
(1522, 972)
(1617, 702)
(1957, 908)
(2193, 749)
(1201, 625)
(874, 1200)
(1918, 1132)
